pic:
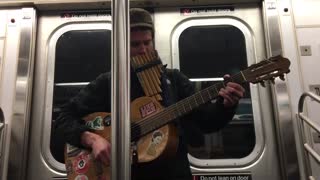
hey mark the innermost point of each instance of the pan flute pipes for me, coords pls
(148, 68)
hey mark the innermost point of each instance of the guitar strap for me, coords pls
(149, 68)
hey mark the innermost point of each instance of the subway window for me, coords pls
(206, 53)
(80, 56)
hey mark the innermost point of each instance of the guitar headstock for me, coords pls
(267, 70)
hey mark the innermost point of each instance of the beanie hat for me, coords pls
(140, 18)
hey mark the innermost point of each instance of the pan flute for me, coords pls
(148, 68)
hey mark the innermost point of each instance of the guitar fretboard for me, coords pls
(148, 124)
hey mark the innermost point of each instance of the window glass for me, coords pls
(81, 55)
(210, 52)
(215, 50)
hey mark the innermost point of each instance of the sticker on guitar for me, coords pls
(157, 137)
(82, 163)
(148, 109)
(96, 124)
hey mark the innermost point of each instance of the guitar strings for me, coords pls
(145, 122)
(139, 127)
(152, 119)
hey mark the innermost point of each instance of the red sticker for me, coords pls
(81, 164)
(148, 109)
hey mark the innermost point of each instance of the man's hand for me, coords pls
(232, 93)
(101, 148)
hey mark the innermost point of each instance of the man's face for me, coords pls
(141, 42)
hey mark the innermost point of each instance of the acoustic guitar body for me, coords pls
(158, 144)
(80, 163)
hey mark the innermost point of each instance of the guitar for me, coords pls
(151, 131)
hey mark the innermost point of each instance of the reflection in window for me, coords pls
(211, 52)
(81, 55)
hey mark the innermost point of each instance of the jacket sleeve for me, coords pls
(209, 117)
(95, 97)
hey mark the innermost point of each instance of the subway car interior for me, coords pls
(51, 50)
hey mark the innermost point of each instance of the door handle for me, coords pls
(2, 124)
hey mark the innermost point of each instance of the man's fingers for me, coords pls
(235, 89)
(224, 93)
(232, 93)
(235, 86)
(101, 150)
(229, 97)
(226, 76)
(108, 154)
(103, 158)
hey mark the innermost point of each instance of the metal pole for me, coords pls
(120, 160)
(281, 101)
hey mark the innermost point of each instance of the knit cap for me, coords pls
(140, 18)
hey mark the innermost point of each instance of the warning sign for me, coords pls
(223, 177)
(206, 10)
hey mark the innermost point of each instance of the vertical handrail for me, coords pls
(20, 122)
(120, 122)
(301, 119)
(280, 94)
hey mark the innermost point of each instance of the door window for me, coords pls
(81, 55)
(205, 54)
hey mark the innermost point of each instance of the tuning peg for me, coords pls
(263, 84)
(282, 77)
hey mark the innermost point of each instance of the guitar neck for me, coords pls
(256, 73)
(180, 108)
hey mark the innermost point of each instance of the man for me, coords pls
(96, 98)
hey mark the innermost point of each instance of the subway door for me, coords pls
(17, 40)
(205, 43)
(73, 48)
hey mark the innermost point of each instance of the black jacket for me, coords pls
(96, 97)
